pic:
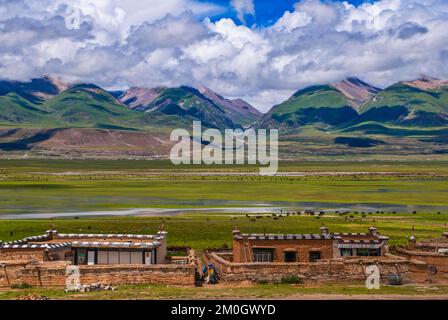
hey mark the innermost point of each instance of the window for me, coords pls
(346, 252)
(263, 255)
(136, 257)
(368, 252)
(291, 256)
(315, 256)
(81, 256)
(103, 257)
(114, 257)
(125, 257)
(120, 257)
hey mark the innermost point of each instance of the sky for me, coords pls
(259, 50)
(265, 12)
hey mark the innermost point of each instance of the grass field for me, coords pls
(255, 291)
(79, 194)
(70, 186)
(202, 231)
(65, 186)
(28, 167)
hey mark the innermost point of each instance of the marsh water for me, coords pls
(232, 207)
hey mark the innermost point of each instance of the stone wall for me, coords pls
(439, 260)
(352, 269)
(154, 274)
(53, 274)
(13, 254)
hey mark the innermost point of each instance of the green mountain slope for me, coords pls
(316, 104)
(21, 102)
(192, 104)
(14, 109)
(422, 102)
(313, 97)
(408, 117)
(404, 103)
(35, 91)
(80, 106)
(189, 103)
(87, 105)
(416, 99)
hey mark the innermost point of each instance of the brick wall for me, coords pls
(53, 274)
(323, 271)
(242, 250)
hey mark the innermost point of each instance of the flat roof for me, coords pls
(117, 245)
(322, 236)
(256, 236)
(54, 240)
(35, 246)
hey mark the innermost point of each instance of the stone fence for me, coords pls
(352, 269)
(21, 255)
(53, 274)
(440, 260)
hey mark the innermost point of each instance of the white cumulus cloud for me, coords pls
(243, 8)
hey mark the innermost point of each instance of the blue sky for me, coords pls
(267, 11)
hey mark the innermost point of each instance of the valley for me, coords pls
(48, 186)
(46, 118)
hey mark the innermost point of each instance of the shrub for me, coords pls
(21, 286)
(291, 280)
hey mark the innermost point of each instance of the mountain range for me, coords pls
(43, 103)
(47, 114)
(423, 102)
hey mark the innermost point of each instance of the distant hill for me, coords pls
(420, 102)
(87, 105)
(16, 110)
(196, 104)
(20, 102)
(356, 91)
(140, 98)
(48, 103)
(352, 117)
(46, 116)
(35, 91)
(331, 104)
(237, 110)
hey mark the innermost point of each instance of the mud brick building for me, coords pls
(313, 258)
(289, 248)
(436, 245)
(89, 249)
(48, 260)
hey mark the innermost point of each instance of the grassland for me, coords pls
(255, 291)
(201, 231)
(55, 186)
(85, 194)
(70, 186)
(33, 167)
